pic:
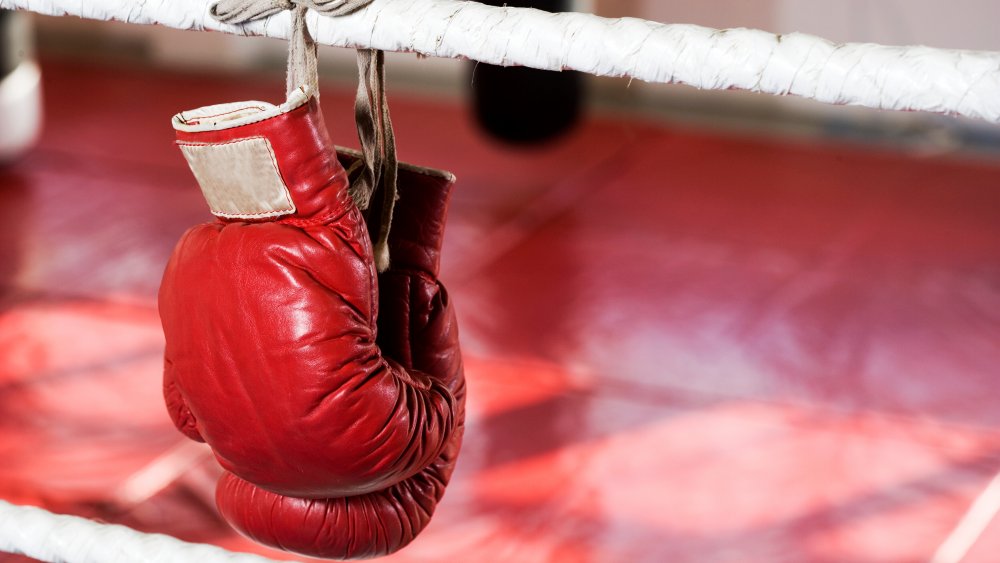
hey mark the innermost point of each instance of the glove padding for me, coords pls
(338, 437)
(417, 326)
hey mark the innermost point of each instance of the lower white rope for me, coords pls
(55, 538)
(896, 78)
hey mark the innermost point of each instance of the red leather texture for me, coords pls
(274, 358)
(417, 327)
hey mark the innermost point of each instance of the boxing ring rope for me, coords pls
(955, 82)
(54, 538)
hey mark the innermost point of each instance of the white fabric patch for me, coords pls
(240, 179)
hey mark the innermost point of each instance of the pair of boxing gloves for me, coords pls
(331, 394)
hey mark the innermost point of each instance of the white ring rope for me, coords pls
(898, 78)
(57, 539)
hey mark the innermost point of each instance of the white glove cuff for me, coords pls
(239, 177)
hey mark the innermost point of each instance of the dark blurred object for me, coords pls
(20, 86)
(526, 105)
(9, 56)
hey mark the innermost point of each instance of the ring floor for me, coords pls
(681, 345)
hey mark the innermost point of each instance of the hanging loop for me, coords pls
(301, 47)
(238, 12)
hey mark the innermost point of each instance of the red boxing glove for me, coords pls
(417, 326)
(271, 353)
